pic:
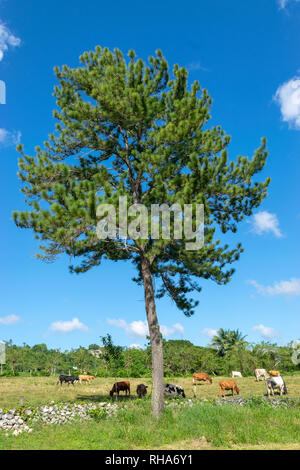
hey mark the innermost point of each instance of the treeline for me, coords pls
(181, 358)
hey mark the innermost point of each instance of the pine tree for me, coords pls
(125, 128)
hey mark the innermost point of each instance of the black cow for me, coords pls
(141, 390)
(68, 379)
(171, 390)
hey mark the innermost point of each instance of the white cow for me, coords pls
(235, 373)
(276, 382)
(261, 373)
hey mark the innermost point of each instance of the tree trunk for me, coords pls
(156, 341)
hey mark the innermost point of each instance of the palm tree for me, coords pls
(225, 340)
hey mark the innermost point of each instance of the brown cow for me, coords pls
(274, 373)
(201, 376)
(228, 385)
(120, 387)
(85, 378)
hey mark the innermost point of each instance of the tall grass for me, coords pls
(135, 428)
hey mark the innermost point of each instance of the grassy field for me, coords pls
(202, 426)
(41, 390)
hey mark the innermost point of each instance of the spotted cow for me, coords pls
(173, 390)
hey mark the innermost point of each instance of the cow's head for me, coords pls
(180, 391)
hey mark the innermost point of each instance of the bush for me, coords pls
(98, 414)
(9, 373)
(102, 373)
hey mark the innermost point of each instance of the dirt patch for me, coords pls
(202, 444)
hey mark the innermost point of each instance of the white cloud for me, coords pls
(135, 346)
(68, 326)
(171, 330)
(209, 332)
(283, 3)
(266, 222)
(287, 97)
(266, 331)
(7, 39)
(134, 329)
(288, 288)
(8, 138)
(196, 66)
(10, 319)
(140, 329)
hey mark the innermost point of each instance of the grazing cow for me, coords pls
(68, 379)
(141, 390)
(276, 382)
(235, 373)
(120, 387)
(85, 378)
(260, 373)
(171, 390)
(274, 373)
(228, 385)
(201, 376)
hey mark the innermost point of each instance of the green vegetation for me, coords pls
(135, 428)
(181, 358)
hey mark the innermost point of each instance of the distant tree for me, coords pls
(226, 340)
(113, 355)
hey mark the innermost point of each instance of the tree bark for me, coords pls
(156, 341)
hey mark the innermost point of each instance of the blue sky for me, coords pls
(246, 54)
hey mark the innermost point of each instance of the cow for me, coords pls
(85, 378)
(228, 385)
(235, 373)
(68, 379)
(260, 373)
(276, 382)
(201, 376)
(120, 387)
(274, 373)
(141, 390)
(171, 390)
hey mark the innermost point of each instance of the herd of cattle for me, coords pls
(273, 381)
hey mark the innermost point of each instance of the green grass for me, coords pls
(135, 428)
(227, 426)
